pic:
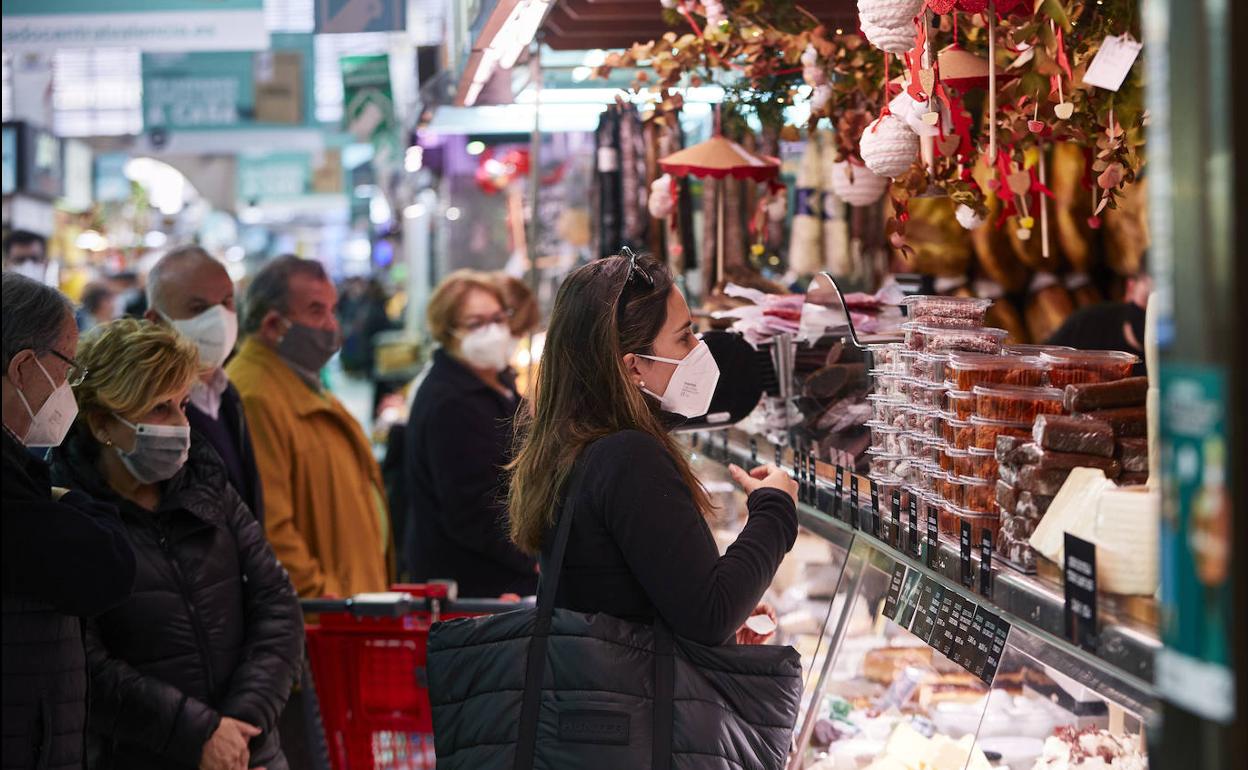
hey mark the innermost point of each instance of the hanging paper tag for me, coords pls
(1112, 63)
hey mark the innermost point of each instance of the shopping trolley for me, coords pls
(367, 660)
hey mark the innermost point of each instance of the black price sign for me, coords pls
(933, 537)
(853, 500)
(753, 453)
(964, 544)
(837, 491)
(779, 455)
(963, 635)
(996, 631)
(914, 524)
(931, 594)
(894, 519)
(1079, 567)
(894, 590)
(945, 623)
(875, 510)
(985, 564)
(814, 477)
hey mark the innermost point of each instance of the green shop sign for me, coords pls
(231, 89)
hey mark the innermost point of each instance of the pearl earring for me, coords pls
(642, 383)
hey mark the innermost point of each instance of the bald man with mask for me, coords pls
(191, 290)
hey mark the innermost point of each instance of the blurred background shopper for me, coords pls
(458, 442)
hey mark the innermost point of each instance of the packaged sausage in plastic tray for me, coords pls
(1023, 349)
(886, 357)
(930, 448)
(883, 463)
(959, 433)
(983, 463)
(966, 370)
(927, 394)
(961, 403)
(968, 311)
(1030, 453)
(1016, 403)
(887, 383)
(885, 437)
(1073, 367)
(987, 431)
(934, 339)
(955, 461)
(1127, 421)
(930, 367)
(1090, 396)
(884, 408)
(1074, 434)
(1133, 454)
(978, 495)
(980, 522)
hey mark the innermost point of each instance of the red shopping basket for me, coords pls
(367, 656)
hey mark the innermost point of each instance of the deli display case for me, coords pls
(922, 646)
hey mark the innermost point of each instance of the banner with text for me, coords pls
(150, 25)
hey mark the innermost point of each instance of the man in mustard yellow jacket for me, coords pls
(325, 511)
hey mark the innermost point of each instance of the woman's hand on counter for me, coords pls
(765, 477)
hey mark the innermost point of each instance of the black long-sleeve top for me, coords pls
(639, 546)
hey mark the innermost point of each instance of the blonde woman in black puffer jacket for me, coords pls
(194, 669)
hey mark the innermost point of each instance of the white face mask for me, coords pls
(159, 451)
(692, 386)
(35, 271)
(51, 423)
(489, 347)
(215, 331)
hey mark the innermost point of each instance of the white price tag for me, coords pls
(1112, 63)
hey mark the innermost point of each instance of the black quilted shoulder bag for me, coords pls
(548, 689)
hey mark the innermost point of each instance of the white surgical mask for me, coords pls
(35, 271)
(215, 331)
(51, 423)
(159, 451)
(489, 347)
(692, 386)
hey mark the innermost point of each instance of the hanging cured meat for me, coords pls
(633, 181)
(1048, 306)
(1072, 207)
(1126, 230)
(939, 242)
(608, 225)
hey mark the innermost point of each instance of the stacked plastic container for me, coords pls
(943, 398)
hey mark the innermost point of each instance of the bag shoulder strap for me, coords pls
(535, 665)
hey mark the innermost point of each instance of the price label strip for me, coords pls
(933, 538)
(964, 637)
(914, 525)
(964, 549)
(838, 490)
(894, 521)
(931, 594)
(945, 623)
(853, 501)
(893, 598)
(1079, 571)
(875, 510)
(985, 564)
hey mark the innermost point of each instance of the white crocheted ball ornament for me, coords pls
(889, 24)
(889, 147)
(856, 185)
(661, 202)
(910, 110)
(967, 217)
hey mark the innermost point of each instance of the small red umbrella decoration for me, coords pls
(718, 158)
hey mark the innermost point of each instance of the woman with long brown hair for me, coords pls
(621, 362)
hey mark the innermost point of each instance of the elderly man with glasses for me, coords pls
(66, 557)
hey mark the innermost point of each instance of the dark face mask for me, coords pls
(307, 347)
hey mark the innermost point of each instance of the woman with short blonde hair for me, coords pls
(195, 667)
